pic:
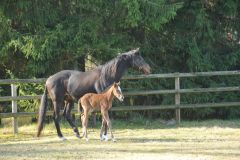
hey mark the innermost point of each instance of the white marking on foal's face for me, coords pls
(119, 89)
(120, 96)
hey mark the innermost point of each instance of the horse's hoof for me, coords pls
(63, 138)
(114, 140)
(78, 136)
(86, 139)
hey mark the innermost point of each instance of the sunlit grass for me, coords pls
(137, 139)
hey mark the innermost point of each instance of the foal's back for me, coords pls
(94, 100)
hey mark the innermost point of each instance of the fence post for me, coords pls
(177, 99)
(14, 108)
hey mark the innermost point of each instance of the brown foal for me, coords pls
(103, 102)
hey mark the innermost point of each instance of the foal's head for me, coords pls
(117, 92)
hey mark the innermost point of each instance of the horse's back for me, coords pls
(75, 83)
(56, 84)
(81, 83)
(59, 77)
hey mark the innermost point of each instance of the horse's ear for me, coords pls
(118, 83)
(136, 51)
(124, 56)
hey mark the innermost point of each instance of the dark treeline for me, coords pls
(39, 38)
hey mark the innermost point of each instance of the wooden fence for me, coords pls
(177, 91)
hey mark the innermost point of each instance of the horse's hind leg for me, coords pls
(69, 106)
(57, 106)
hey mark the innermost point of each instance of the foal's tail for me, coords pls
(80, 110)
(42, 111)
(79, 107)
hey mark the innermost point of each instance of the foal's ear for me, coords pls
(118, 83)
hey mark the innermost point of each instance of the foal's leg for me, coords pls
(68, 109)
(105, 128)
(109, 124)
(57, 106)
(84, 119)
(102, 136)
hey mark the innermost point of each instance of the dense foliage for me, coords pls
(39, 38)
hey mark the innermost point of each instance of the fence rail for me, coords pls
(177, 91)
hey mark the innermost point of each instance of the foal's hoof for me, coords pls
(62, 138)
(104, 138)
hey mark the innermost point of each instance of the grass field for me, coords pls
(141, 140)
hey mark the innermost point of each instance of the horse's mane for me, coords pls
(109, 71)
(111, 66)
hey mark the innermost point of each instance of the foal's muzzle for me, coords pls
(121, 98)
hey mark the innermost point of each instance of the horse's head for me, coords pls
(117, 92)
(138, 62)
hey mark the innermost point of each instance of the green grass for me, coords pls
(136, 139)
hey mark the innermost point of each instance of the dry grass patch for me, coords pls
(213, 140)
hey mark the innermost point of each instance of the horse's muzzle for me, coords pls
(146, 69)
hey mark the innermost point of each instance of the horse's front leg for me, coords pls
(68, 116)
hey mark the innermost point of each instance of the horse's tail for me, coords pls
(42, 111)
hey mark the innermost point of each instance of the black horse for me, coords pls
(70, 85)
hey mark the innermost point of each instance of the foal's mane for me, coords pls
(106, 90)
